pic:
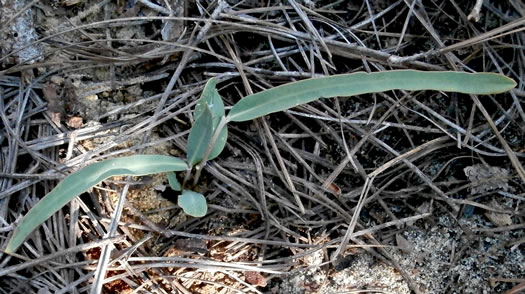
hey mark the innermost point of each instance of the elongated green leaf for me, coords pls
(193, 203)
(210, 96)
(173, 182)
(289, 95)
(84, 179)
(200, 137)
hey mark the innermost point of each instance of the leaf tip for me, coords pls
(10, 248)
(14, 242)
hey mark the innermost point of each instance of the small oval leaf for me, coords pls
(84, 179)
(200, 137)
(292, 94)
(173, 182)
(193, 203)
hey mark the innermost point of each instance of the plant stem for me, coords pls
(186, 177)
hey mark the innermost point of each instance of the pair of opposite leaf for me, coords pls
(209, 113)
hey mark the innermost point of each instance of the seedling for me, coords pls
(209, 132)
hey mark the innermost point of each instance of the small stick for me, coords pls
(475, 13)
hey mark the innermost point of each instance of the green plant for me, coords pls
(209, 132)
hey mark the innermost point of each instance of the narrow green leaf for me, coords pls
(173, 182)
(193, 203)
(292, 94)
(210, 96)
(84, 179)
(200, 137)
